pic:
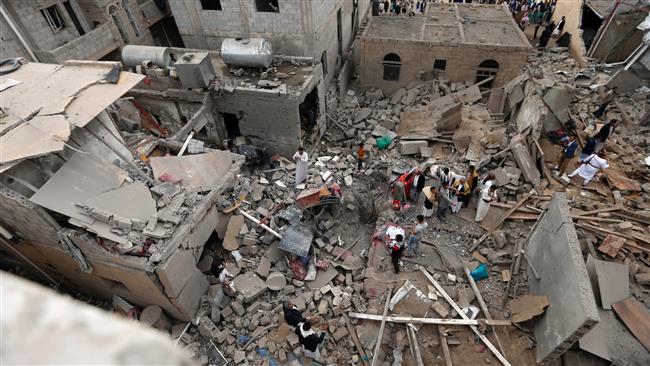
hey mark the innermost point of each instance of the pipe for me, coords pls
(628, 57)
(13, 27)
(248, 216)
(636, 56)
(593, 47)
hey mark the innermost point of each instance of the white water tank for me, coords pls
(247, 52)
(136, 55)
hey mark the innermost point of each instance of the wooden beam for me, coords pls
(353, 333)
(460, 312)
(501, 220)
(445, 346)
(381, 329)
(416, 347)
(483, 305)
(601, 210)
(436, 321)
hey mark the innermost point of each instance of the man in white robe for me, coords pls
(488, 195)
(590, 166)
(302, 163)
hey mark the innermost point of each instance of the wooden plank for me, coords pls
(460, 312)
(483, 305)
(636, 317)
(436, 321)
(445, 346)
(416, 347)
(601, 210)
(381, 329)
(501, 220)
(355, 340)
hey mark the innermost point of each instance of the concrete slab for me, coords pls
(558, 100)
(190, 296)
(555, 252)
(323, 278)
(203, 171)
(83, 176)
(524, 160)
(176, 271)
(411, 147)
(230, 240)
(613, 282)
(249, 285)
(131, 201)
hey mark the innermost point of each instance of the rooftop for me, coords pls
(451, 23)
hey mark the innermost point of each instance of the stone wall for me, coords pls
(621, 37)
(10, 45)
(91, 46)
(416, 57)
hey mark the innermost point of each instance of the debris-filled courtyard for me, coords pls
(257, 215)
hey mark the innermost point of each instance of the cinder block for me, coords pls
(410, 147)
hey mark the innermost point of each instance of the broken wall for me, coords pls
(27, 220)
(621, 37)
(554, 251)
(416, 57)
(572, 10)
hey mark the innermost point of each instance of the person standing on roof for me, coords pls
(590, 166)
(416, 235)
(302, 163)
(488, 195)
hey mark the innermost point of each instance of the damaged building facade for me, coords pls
(603, 29)
(458, 42)
(56, 31)
(77, 205)
(322, 29)
(275, 109)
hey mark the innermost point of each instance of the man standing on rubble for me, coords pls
(309, 340)
(488, 195)
(396, 248)
(302, 163)
(604, 133)
(361, 154)
(444, 201)
(416, 236)
(418, 185)
(605, 99)
(567, 153)
(590, 166)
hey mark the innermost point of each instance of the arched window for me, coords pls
(129, 14)
(114, 13)
(392, 64)
(487, 69)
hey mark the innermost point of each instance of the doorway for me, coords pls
(309, 111)
(231, 122)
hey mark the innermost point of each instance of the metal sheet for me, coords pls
(204, 171)
(297, 240)
(82, 177)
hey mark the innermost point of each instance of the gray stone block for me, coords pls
(554, 251)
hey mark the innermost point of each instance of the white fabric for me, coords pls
(427, 212)
(484, 207)
(485, 185)
(392, 232)
(305, 333)
(223, 276)
(313, 355)
(302, 163)
(591, 165)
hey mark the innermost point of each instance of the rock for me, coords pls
(276, 281)
(410, 96)
(230, 240)
(410, 147)
(374, 94)
(397, 96)
(440, 309)
(239, 356)
(362, 114)
(340, 334)
(249, 286)
(263, 267)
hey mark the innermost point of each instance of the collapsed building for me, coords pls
(459, 42)
(275, 105)
(79, 203)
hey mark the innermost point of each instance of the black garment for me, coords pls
(396, 255)
(293, 317)
(310, 342)
(359, 164)
(420, 185)
(604, 132)
(560, 25)
(590, 147)
(428, 204)
(546, 35)
(536, 29)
